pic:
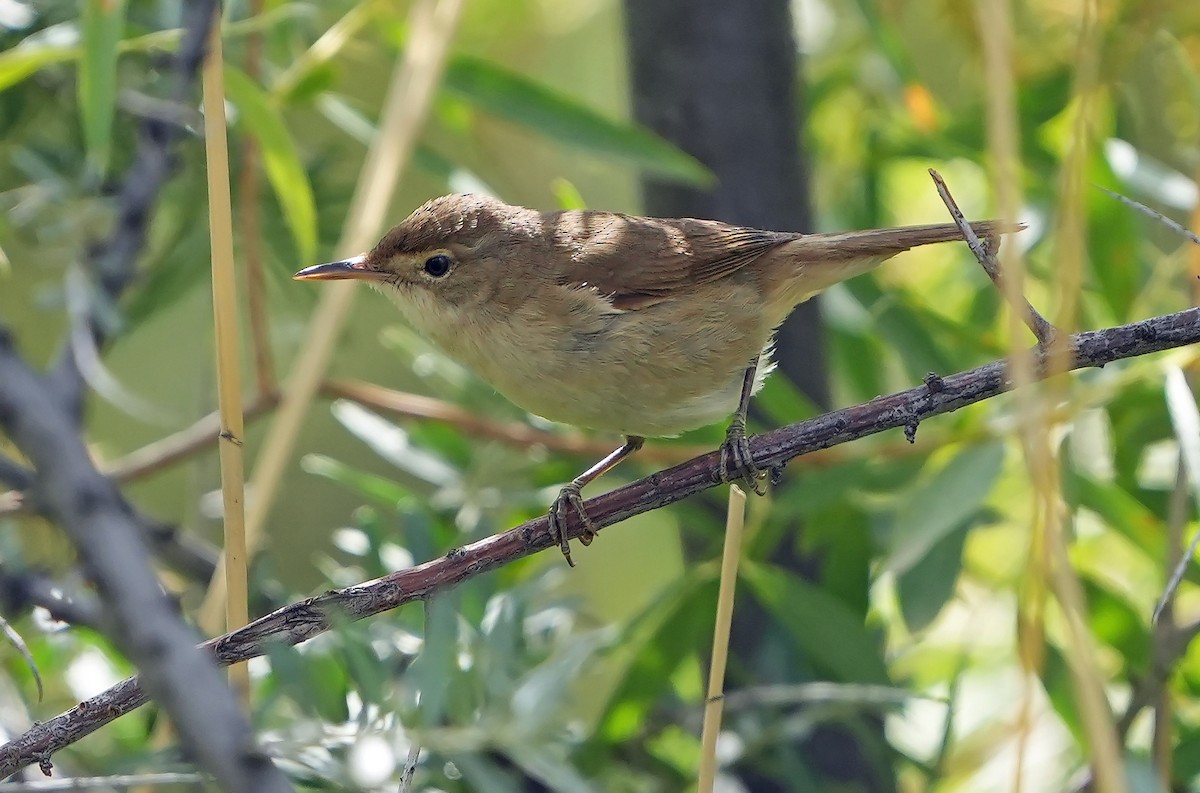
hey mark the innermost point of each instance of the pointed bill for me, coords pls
(354, 267)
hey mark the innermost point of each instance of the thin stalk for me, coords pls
(225, 313)
(735, 521)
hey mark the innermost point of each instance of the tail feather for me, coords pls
(850, 245)
(821, 260)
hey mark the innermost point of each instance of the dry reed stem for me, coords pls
(410, 94)
(995, 25)
(225, 314)
(1089, 681)
(1035, 405)
(735, 521)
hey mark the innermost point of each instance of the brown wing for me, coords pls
(640, 261)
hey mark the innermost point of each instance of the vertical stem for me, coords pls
(735, 520)
(229, 386)
(1036, 404)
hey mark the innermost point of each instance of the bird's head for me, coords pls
(450, 252)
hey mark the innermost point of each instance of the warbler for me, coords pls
(641, 326)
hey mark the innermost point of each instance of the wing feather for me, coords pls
(671, 254)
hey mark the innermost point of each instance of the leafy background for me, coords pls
(929, 614)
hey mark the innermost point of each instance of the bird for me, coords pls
(637, 326)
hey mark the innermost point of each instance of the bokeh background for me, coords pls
(897, 626)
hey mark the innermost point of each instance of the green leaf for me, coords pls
(435, 668)
(284, 169)
(371, 486)
(315, 682)
(314, 68)
(658, 641)
(103, 22)
(1119, 508)
(40, 51)
(29, 58)
(945, 502)
(523, 101)
(828, 634)
(926, 586)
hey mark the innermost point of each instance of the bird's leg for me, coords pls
(570, 496)
(736, 462)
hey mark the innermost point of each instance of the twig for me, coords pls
(165, 452)
(1185, 418)
(21, 590)
(410, 767)
(104, 782)
(402, 403)
(140, 620)
(1174, 644)
(301, 621)
(202, 434)
(1163, 629)
(1042, 330)
(18, 643)
(864, 696)
(1178, 228)
(735, 521)
(184, 553)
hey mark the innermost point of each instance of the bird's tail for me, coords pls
(851, 245)
(822, 260)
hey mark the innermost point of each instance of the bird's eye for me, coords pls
(437, 265)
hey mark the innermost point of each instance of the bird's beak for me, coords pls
(354, 267)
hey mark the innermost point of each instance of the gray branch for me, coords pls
(41, 414)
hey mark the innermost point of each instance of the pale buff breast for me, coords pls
(654, 371)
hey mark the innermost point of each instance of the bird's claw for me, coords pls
(736, 461)
(569, 496)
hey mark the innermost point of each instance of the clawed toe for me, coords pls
(737, 464)
(569, 496)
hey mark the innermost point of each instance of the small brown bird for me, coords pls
(632, 325)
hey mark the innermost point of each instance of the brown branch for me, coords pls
(177, 447)
(202, 434)
(301, 621)
(402, 403)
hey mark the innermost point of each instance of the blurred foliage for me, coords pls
(928, 610)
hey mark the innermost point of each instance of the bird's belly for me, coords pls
(649, 372)
(624, 399)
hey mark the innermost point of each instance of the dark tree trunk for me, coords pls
(719, 79)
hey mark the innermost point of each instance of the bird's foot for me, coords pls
(570, 497)
(736, 461)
